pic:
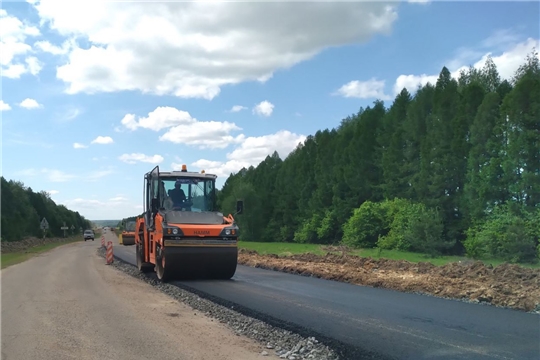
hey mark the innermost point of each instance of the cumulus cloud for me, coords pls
(138, 157)
(103, 140)
(15, 53)
(182, 128)
(161, 118)
(370, 89)
(192, 49)
(47, 47)
(204, 134)
(79, 146)
(4, 106)
(237, 108)
(252, 151)
(53, 192)
(503, 46)
(264, 108)
(507, 60)
(30, 104)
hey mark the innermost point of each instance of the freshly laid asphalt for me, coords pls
(372, 323)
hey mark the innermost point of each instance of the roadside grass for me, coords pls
(287, 249)
(20, 256)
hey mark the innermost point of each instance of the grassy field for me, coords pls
(18, 257)
(284, 249)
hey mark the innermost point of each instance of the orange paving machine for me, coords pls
(181, 234)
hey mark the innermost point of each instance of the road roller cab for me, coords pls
(181, 234)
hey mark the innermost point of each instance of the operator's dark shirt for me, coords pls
(177, 196)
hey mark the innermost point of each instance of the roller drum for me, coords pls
(195, 262)
(128, 240)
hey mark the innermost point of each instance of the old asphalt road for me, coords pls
(389, 323)
(67, 304)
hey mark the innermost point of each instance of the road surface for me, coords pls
(67, 304)
(389, 323)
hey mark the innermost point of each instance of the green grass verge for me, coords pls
(18, 257)
(286, 249)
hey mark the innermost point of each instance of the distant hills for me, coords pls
(102, 223)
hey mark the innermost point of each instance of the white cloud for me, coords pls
(264, 108)
(204, 134)
(184, 129)
(4, 106)
(501, 39)
(370, 89)
(251, 152)
(507, 61)
(103, 140)
(79, 146)
(34, 66)
(96, 175)
(14, 51)
(237, 108)
(71, 114)
(134, 157)
(197, 47)
(412, 82)
(30, 104)
(52, 175)
(53, 192)
(55, 175)
(161, 118)
(100, 209)
(58, 175)
(47, 47)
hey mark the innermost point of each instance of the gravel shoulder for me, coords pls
(506, 285)
(68, 304)
(272, 340)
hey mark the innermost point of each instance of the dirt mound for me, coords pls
(504, 285)
(22, 245)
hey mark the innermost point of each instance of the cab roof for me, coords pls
(189, 174)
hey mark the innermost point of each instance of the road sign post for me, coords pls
(72, 228)
(64, 228)
(44, 225)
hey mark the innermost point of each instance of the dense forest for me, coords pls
(23, 209)
(454, 169)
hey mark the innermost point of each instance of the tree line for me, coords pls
(23, 209)
(454, 169)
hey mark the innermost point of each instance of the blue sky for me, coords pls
(94, 95)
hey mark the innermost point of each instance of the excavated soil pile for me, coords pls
(28, 243)
(504, 285)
